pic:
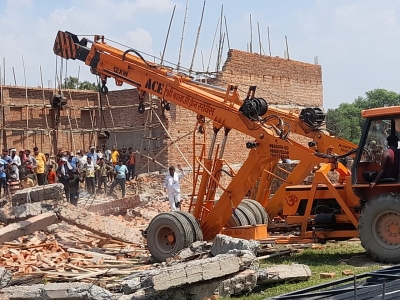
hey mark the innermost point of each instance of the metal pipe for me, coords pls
(212, 145)
(221, 152)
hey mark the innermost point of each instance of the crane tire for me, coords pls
(250, 220)
(237, 219)
(379, 227)
(254, 210)
(167, 234)
(261, 209)
(233, 221)
(198, 233)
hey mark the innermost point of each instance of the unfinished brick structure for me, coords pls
(281, 82)
(29, 120)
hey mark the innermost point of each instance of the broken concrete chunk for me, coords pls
(293, 272)
(180, 274)
(38, 193)
(223, 243)
(15, 230)
(242, 282)
(57, 291)
(247, 259)
(108, 227)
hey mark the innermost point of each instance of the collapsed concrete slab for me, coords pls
(181, 274)
(105, 226)
(223, 243)
(15, 230)
(278, 273)
(22, 212)
(60, 291)
(226, 286)
(38, 193)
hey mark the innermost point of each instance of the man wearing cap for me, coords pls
(93, 155)
(41, 166)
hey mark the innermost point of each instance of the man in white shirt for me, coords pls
(172, 186)
(16, 161)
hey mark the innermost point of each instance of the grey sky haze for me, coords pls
(356, 41)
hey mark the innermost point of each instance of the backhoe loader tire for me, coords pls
(198, 233)
(254, 210)
(379, 228)
(248, 214)
(261, 209)
(237, 219)
(167, 234)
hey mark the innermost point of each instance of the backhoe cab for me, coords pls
(379, 222)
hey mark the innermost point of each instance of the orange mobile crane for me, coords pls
(320, 211)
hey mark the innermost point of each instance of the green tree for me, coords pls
(346, 122)
(73, 83)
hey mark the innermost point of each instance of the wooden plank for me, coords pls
(89, 275)
(105, 256)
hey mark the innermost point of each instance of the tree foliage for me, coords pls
(346, 122)
(73, 83)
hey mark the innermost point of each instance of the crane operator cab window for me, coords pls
(380, 157)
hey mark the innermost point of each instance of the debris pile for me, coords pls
(72, 258)
(97, 251)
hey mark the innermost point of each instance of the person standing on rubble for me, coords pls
(41, 166)
(172, 186)
(130, 164)
(90, 170)
(120, 172)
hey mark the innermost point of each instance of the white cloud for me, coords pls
(140, 39)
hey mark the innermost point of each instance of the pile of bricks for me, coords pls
(65, 252)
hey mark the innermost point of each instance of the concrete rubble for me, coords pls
(96, 251)
(39, 193)
(57, 291)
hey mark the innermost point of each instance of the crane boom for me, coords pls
(250, 116)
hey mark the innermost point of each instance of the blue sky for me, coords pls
(357, 41)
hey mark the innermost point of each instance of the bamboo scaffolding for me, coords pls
(197, 39)
(44, 109)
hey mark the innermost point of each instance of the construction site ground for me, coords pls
(97, 251)
(339, 259)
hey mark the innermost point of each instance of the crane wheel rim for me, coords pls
(386, 229)
(165, 239)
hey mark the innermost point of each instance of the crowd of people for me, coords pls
(92, 170)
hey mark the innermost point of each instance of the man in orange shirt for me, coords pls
(130, 165)
(51, 175)
(41, 164)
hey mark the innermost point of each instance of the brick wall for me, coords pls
(278, 80)
(24, 123)
(140, 131)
